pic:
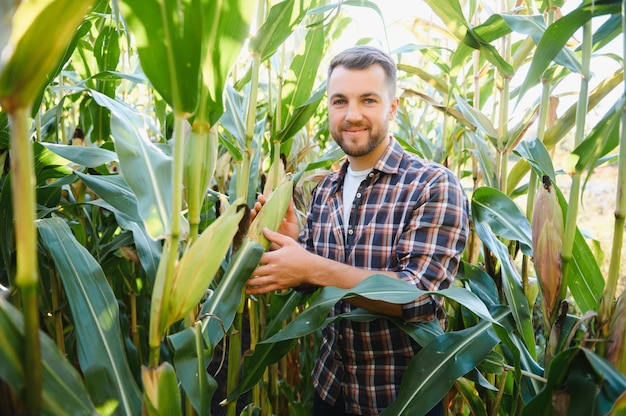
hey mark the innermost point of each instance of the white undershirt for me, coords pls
(350, 185)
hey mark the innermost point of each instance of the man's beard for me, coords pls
(376, 137)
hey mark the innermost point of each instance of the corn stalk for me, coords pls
(579, 134)
(610, 290)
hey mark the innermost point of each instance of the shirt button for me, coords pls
(371, 174)
(350, 231)
(358, 194)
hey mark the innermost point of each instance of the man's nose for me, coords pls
(353, 112)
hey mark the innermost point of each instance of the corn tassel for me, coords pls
(547, 239)
(617, 334)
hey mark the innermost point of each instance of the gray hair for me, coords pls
(364, 56)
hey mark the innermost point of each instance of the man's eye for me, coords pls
(370, 101)
(339, 102)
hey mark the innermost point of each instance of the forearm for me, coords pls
(325, 272)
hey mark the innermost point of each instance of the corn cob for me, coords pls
(547, 240)
(273, 212)
(200, 263)
(227, 297)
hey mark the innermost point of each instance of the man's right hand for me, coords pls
(289, 226)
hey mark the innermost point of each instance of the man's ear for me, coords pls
(394, 108)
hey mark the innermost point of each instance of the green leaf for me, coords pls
(375, 287)
(225, 27)
(35, 46)
(559, 33)
(504, 217)
(63, 389)
(477, 118)
(583, 381)
(280, 23)
(198, 385)
(96, 319)
(479, 282)
(435, 368)
(302, 76)
(168, 38)
(263, 355)
(510, 283)
(471, 397)
(533, 26)
(301, 116)
(115, 191)
(603, 138)
(221, 306)
(146, 169)
(87, 156)
(451, 14)
(535, 152)
(486, 158)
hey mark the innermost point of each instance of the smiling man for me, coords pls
(385, 212)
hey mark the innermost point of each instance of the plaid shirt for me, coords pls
(409, 216)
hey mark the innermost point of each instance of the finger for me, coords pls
(276, 238)
(260, 290)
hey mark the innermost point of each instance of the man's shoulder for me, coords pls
(414, 165)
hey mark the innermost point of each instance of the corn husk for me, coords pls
(273, 212)
(200, 163)
(161, 395)
(199, 264)
(547, 240)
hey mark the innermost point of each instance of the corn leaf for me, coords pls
(35, 27)
(88, 156)
(225, 27)
(510, 283)
(221, 306)
(189, 356)
(503, 216)
(451, 14)
(302, 74)
(168, 38)
(559, 33)
(63, 390)
(572, 375)
(255, 364)
(115, 191)
(146, 169)
(436, 367)
(95, 315)
(375, 287)
(280, 23)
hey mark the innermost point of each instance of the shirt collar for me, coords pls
(389, 161)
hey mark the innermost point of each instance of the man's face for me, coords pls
(359, 110)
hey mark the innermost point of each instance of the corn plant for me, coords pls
(156, 124)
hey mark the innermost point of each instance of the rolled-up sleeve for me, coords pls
(430, 247)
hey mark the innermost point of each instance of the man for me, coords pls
(386, 212)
